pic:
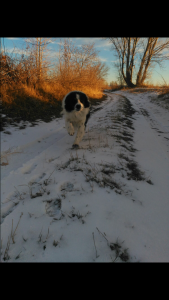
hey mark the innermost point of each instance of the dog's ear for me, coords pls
(70, 101)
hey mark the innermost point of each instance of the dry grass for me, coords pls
(161, 93)
(11, 237)
(45, 92)
(149, 87)
(22, 102)
(164, 91)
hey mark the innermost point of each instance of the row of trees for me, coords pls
(71, 66)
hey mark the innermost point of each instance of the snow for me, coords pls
(59, 204)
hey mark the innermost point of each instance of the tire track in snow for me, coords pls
(26, 167)
(156, 126)
(30, 151)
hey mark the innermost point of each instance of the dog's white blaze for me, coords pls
(77, 96)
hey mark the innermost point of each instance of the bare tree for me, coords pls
(125, 50)
(79, 66)
(38, 47)
(149, 50)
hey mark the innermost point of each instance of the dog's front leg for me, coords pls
(79, 136)
(69, 127)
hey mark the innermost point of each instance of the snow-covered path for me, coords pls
(89, 204)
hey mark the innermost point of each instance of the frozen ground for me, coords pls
(107, 201)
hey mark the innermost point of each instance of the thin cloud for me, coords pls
(102, 58)
(113, 61)
(12, 38)
(103, 43)
(99, 42)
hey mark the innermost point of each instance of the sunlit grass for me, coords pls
(22, 102)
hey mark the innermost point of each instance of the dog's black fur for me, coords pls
(71, 101)
(76, 111)
(87, 118)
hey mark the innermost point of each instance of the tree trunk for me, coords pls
(128, 77)
(129, 66)
(138, 82)
(129, 83)
(147, 56)
(148, 61)
(133, 54)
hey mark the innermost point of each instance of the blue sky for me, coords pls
(105, 55)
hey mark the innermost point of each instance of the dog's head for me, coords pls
(75, 100)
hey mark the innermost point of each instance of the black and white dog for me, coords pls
(76, 111)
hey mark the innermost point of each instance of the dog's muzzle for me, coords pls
(78, 107)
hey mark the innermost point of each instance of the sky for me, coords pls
(105, 54)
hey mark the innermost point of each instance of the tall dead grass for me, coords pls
(45, 92)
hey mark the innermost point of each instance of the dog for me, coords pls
(76, 111)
